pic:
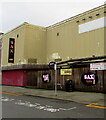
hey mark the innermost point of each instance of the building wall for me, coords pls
(63, 41)
(0, 46)
(15, 78)
(29, 45)
(72, 44)
(19, 35)
(35, 44)
(33, 77)
(105, 41)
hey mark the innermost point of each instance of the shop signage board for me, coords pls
(46, 78)
(66, 72)
(98, 66)
(89, 79)
(11, 50)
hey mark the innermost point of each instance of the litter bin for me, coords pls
(68, 85)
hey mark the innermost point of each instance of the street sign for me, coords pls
(98, 66)
(51, 64)
(66, 71)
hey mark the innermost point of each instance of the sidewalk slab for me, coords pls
(79, 97)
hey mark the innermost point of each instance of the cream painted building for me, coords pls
(80, 36)
(30, 45)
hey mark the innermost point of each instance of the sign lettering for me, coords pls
(11, 50)
(98, 66)
(89, 79)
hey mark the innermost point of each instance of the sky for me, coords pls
(41, 12)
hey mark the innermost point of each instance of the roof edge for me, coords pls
(61, 22)
(25, 23)
(76, 16)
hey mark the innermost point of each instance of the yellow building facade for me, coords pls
(30, 45)
(80, 36)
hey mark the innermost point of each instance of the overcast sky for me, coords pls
(41, 12)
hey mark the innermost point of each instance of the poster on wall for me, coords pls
(98, 66)
(46, 78)
(11, 50)
(65, 71)
(89, 79)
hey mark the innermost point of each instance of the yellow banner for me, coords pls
(66, 72)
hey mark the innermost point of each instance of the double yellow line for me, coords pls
(10, 93)
(95, 105)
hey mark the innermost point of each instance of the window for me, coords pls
(17, 35)
(57, 34)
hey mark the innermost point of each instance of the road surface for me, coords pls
(20, 106)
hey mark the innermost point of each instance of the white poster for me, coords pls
(92, 25)
(98, 66)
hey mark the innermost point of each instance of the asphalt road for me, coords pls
(36, 107)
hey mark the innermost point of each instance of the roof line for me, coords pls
(81, 14)
(61, 22)
(16, 27)
(25, 23)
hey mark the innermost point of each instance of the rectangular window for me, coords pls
(11, 50)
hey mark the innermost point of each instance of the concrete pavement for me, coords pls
(76, 96)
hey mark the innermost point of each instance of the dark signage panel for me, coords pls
(89, 79)
(11, 50)
(51, 64)
(46, 77)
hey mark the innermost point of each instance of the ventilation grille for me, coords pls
(32, 60)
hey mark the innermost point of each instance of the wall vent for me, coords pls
(32, 60)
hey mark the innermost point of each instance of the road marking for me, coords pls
(95, 105)
(43, 107)
(6, 99)
(36, 105)
(10, 93)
